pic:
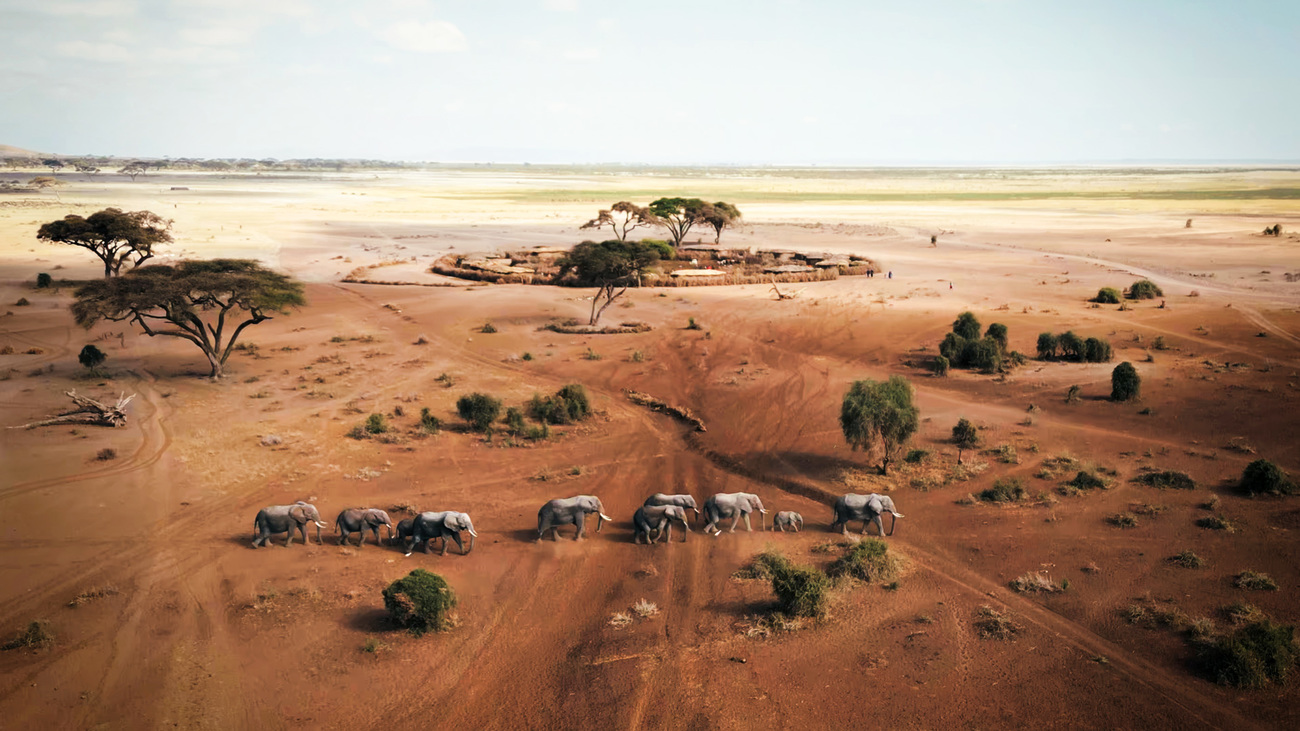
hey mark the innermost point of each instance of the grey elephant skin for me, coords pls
(404, 529)
(285, 518)
(569, 511)
(658, 518)
(359, 520)
(428, 526)
(682, 501)
(788, 519)
(866, 508)
(734, 505)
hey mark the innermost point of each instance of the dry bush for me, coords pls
(1167, 479)
(36, 636)
(645, 609)
(620, 620)
(1123, 520)
(1216, 522)
(91, 595)
(1187, 559)
(1036, 582)
(868, 560)
(1240, 613)
(1254, 581)
(994, 625)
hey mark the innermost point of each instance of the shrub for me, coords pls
(1187, 559)
(591, 355)
(358, 432)
(693, 325)
(916, 455)
(982, 354)
(1240, 613)
(997, 332)
(1007, 454)
(1034, 582)
(1254, 581)
(488, 328)
(1216, 522)
(967, 326)
(1264, 477)
(479, 409)
(36, 636)
(1006, 490)
(1087, 480)
(1167, 479)
(568, 405)
(526, 356)
(91, 357)
(1107, 296)
(1123, 520)
(1016, 358)
(953, 347)
(940, 365)
(106, 454)
(1125, 383)
(1047, 345)
(22, 302)
(1159, 343)
(429, 423)
(994, 625)
(515, 420)
(868, 560)
(1073, 393)
(801, 591)
(1144, 289)
(1252, 656)
(420, 602)
(964, 436)
(376, 424)
(1096, 350)
(43, 280)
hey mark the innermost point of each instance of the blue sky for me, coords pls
(742, 82)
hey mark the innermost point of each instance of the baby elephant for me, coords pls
(788, 518)
(657, 518)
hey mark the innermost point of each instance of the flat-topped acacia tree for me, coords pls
(114, 235)
(622, 217)
(678, 215)
(208, 303)
(613, 266)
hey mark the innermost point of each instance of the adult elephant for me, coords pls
(359, 520)
(285, 518)
(657, 518)
(866, 508)
(732, 505)
(428, 526)
(681, 501)
(569, 511)
(404, 529)
(787, 519)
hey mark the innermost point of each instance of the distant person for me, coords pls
(891, 274)
(949, 285)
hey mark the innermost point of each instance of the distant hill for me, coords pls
(11, 151)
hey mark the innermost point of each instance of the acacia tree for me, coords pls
(721, 215)
(678, 215)
(209, 303)
(613, 266)
(965, 436)
(132, 169)
(54, 165)
(622, 217)
(115, 236)
(879, 411)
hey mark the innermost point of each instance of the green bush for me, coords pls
(665, 249)
(1086, 480)
(1047, 345)
(967, 326)
(1006, 490)
(1096, 350)
(1107, 296)
(1254, 581)
(693, 325)
(1216, 522)
(1251, 657)
(916, 455)
(488, 328)
(801, 591)
(1166, 479)
(91, 357)
(429, 423)
(998, 332)
(1262, 477)
(43, 281)
(479, 409)
(953, 347)
(515, 420)
(940, 365)
(1187, 559)
(868, 560)
(375, 424)
(420, 602)
(1144, 289)
(568, 405)
(983, 354)
(1071, 346)
(1125, 383)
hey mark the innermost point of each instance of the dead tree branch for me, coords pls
(88, 411)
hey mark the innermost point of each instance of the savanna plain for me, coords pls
(1046, 580)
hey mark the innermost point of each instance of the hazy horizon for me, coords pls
(945, 83)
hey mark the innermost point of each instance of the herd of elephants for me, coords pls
(655, 516)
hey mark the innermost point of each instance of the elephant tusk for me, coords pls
(472, 533)
(321, 525)
(606, 517)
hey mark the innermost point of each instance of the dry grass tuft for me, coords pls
(1036, 582)
(994, 625)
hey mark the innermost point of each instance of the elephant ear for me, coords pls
(299, 513)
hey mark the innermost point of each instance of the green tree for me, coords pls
(965, 436)
(721, 215)
(1071, 346)
(1125, 384)
(983, 354)
(879, 411)
(1047, 344)
(1096, 350)
(209, 303)
(953, 347)
(967, 326)
(113, 235)
(479, 409)
(622, 218)
(998, 332)
(132, 170)
(54, 165)
(420, 602)
(940, 365)
(92, 358)
(612, 266)
(44, 280)
(678, 215)
(1144, 289)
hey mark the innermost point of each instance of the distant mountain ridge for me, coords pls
(11, 151)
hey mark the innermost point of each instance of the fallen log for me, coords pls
(654, 404)
(88, 411)
(786, 295)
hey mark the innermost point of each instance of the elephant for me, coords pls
(683, 501)
(788, 518)
(428, 526)
(569, 511)
(282, 518)
(732, 505)
(357, 520)
(866, 508)
(656, 518)
(404, 529)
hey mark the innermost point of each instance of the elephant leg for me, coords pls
(880, 526)
(669, 530)
(582, 530)
(288, 541)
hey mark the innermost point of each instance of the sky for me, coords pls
(739, 82)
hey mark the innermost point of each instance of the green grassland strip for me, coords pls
(765, 196)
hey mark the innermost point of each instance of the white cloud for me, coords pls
(435, 36)
(93, 51)
(94, 8)
(194, 55)
(582, 54)
(120, 36)
(454, 106)
(561, 6)
(216, 35)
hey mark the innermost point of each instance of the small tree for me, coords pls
(967, 326)
(113, 235)
(1125, 384)
(54, 165)
(721, 215)
(953, 347)
(479, 409)
(622, 218)
(612, 266)
(1144, 289)
(132, 170)
(227, 292)
(678, 215)
(1047, 345)
(1096, 350)
(983, 354)
(879, 411)
(1071, 346)
(92, 358)
(420, 602)
(44, 280)
(965, 436)
(940, 365)
(998, 332)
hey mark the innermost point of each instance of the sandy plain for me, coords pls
(205, 632)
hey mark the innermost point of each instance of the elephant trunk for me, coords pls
(600, 521)
(472, 536)
(319, 525)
